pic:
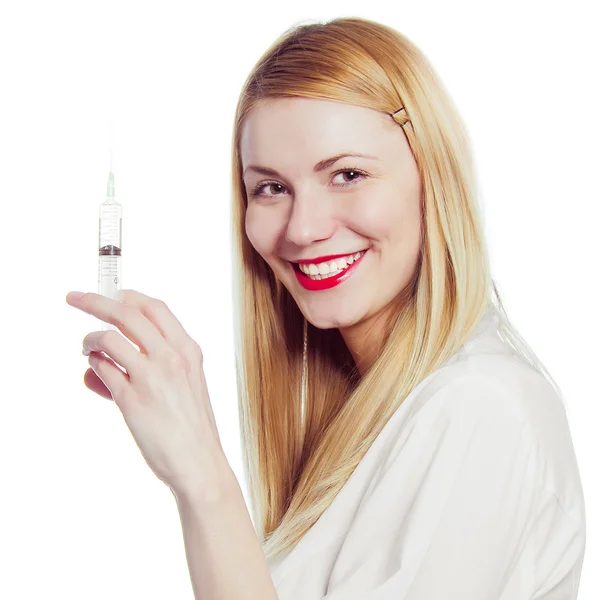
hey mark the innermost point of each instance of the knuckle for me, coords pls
(160, 304)
(157, 305)
(109, 338)
(153, 308)
(124, 314)
(175, 362)
(195, 351)
(110, 334)
(128, 311)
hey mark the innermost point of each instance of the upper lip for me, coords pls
(319, 259)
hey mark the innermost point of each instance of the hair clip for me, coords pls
(405, 116)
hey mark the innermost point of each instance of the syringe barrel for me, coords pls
(110, 224)
(109, 280)
(109, 253)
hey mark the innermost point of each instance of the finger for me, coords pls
(115, 381)
(94, 383)
(117, 348)
(159, 314)
(128, 319)
(177, 338)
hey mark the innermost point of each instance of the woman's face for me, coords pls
(303, 213)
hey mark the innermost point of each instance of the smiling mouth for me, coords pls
(297, 268)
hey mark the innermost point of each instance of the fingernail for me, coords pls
(74, 295)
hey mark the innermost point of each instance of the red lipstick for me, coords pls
(329, 282)
(320, 259)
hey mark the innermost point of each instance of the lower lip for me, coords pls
(325, 284)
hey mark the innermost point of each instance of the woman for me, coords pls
(400, 438)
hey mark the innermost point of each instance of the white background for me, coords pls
(82, 515)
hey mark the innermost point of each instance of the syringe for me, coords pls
(109, 247)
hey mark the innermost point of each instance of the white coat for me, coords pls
(470, 492)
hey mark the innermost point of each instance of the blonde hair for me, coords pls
(297, 457)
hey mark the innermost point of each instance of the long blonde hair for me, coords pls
(299, 449)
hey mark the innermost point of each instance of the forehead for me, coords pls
(285, 131)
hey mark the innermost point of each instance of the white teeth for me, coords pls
(331, 267)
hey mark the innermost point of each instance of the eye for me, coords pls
(356, 176)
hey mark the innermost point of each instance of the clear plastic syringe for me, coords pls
(109, 247)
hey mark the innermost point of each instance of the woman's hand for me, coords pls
(163, 394)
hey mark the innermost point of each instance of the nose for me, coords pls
(310, 219)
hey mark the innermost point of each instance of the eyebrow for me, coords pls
(320, 166)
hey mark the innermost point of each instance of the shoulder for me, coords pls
(462, 399)
(503, 391)
(487, 386)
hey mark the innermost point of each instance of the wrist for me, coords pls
(213, 485)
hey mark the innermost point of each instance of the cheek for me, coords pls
(260, 232)
(387, 218)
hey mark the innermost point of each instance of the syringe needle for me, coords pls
(110, 187)
(111, 139)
